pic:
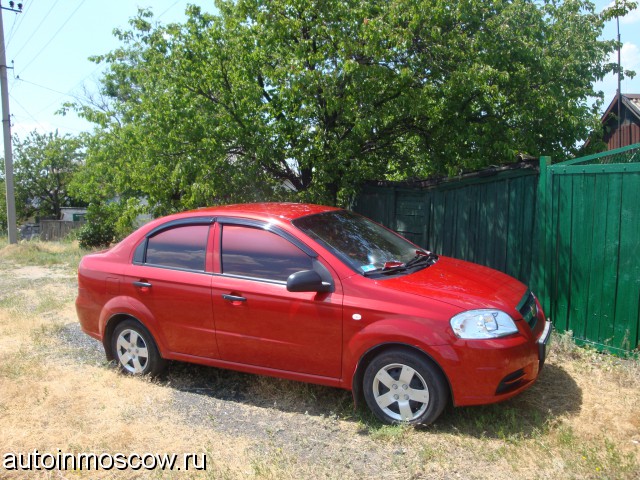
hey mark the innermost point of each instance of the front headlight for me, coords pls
(477, 324)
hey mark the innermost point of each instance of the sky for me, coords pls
(49, 43)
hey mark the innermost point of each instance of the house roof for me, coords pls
(630, 100)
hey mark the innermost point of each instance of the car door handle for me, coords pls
(234, 298)
(142, 284)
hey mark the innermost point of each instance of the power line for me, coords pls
(48, 42)
(80, 82)
(37, 29)
(14, 31)
(42, 86)
(27, 112)
(58, 98)
(173, 5)
(37, 121)
(16, 20)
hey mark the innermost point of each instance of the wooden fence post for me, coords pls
(542, 268)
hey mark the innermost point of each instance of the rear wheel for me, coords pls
(404, 387)
(135, 350)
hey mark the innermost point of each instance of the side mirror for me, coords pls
(307, 281)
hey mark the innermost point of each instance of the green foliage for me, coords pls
(100, 230)
(324, 94)
(44, 165)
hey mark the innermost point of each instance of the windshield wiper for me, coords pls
(422, 256)
(388, 267)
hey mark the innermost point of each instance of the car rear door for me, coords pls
(169, 283)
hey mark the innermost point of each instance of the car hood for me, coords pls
(462, 284)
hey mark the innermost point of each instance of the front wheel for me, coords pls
(134, 349)
(403, 387)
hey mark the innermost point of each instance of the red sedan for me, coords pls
(316, 294)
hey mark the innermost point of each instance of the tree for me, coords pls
(44, 165)
(324, 94)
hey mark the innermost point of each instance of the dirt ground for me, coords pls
(580, 420)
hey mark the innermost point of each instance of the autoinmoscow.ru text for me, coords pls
(36, 460)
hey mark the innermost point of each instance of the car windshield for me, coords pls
(362, 244)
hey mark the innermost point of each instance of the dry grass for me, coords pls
(581, 420)
(65, 255)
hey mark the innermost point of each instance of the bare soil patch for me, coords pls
(34, 272)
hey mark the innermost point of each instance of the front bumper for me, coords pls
(544, 343)
(489, 371)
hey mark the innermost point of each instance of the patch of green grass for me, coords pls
(276, 463)
(44, 334)
(605, 460)
(509, 421)
(566, 437)
(21, 364)
(390, 433)
(53, 301)
(47, 299)
(588, 359)
(35, 252)
(585, 457)
(369, 425)
(431, 453)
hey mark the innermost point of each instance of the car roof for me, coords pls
(282, 210)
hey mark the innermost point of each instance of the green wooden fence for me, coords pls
(570, 230)
(589, 269)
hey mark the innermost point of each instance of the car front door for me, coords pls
(258, 321)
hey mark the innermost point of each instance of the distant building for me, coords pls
(73, 214)
(629, 121)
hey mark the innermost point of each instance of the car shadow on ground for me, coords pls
(530, 413)
(554, 394)
(257, 390)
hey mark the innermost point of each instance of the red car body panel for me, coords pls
(315, 337)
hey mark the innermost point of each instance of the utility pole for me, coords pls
(619, 87)
(6, 128)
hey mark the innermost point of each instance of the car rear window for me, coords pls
(181, 247)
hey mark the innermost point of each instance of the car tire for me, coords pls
(134, 349)
(404, 387)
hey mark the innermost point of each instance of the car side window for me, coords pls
(257, 253)
(181, 247)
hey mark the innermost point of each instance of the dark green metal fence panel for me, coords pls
(411, 216)
(628, 294)
(590, 217)
(605, 316)
(487, 219)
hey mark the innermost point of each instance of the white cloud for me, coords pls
(632, 17)
(630, 56)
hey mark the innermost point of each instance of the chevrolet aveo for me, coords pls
(316, 294)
